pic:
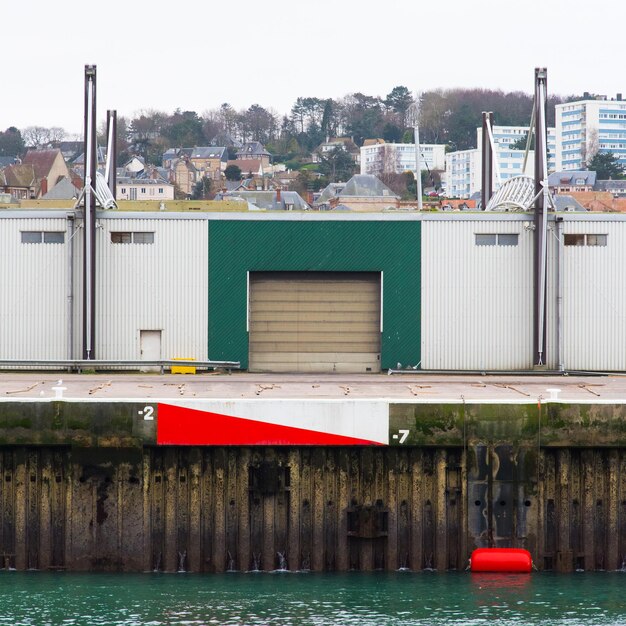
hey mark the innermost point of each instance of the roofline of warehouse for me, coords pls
(308, 216)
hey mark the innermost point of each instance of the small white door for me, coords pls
(150, 348)
(133, 193)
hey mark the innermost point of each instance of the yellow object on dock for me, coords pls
(183, 369)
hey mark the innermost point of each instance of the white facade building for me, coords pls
(400, 157)
(144, 189)
(586, 127)
(464, 167)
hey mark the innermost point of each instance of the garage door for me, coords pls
(314, 322)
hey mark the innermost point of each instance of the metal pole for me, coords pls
(70, 286)
(487, 160)
(418, 165)
(541, 175)
(559, 291)
(111, 168)
(90, 214)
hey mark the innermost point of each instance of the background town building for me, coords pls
(589, 126)
(396, 158)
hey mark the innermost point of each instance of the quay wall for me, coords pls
(88, 486)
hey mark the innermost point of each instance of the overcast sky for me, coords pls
(162, 55)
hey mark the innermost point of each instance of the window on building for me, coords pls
(132, 237)
(42, 236)
(496, 239)
(53, 236)
(585, 240)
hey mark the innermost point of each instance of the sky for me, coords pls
(163, 55)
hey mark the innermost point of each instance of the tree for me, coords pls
(337, 165)
(392, 133)
(258, 124)
(36, 136)
(330, 121)
(363, 117)
(590, 147)
(606, 165)
(520, 144)
(11, 142)
(202, 189)
(184, 129)
(399, 100)
(144, 133)
(232, 172)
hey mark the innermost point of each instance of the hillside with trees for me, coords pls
(448, 116)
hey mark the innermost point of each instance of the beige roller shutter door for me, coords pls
(314, 322)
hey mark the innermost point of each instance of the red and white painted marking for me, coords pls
(273, 422)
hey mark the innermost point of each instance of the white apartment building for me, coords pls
(464, 167)
(400, 157)
(589, 126)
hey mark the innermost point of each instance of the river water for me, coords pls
(377, 599)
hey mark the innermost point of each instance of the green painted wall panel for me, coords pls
(237, 247)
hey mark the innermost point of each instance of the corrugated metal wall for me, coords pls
(33, 301)
(476, 300)
(160, 286)
(594, 298)
(476, 308)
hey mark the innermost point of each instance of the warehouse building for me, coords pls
(315, 292)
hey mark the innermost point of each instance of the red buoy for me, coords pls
(501, 560)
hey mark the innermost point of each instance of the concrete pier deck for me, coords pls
(428, 388)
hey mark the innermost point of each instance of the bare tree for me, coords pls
(590, 147)
(57, 134)
(36, 136)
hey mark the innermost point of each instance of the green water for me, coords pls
(319, 599)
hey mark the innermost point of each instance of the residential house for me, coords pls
(79, 162)
(599, 201)
(131, 188)
(49, 167)
(277, 200)
(65, 189)
(8, 160)
(184, 176)
(209, 161)
(249, 167)
(70, 149)
(20, 181)
(134, 165)
(343, 143)
(572, 180)
(564, 202)
(254, 150)
(171, 155)
(363, 192)
(616, 187)
(287, 178)
(373, 142)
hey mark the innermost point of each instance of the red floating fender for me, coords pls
(515, 560)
